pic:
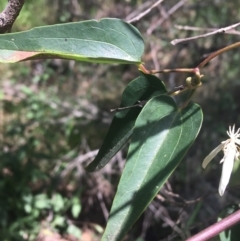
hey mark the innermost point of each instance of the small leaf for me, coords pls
(27, 208)
(161, 137)
(74, 230)
(58, 202)
(76, 207)
(233, 233)
(98, 228)
(41, 201)
(104, 41)
(193, 215)
(121, 129)
(59, 221)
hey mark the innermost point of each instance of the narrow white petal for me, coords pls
(227, 168)
(237, 141)
(212, 154)
(222, 160)
(238, 131)
(233, 129)
(230, 131)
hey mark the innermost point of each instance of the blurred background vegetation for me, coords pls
(54, 115)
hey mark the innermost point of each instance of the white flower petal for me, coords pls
(227, 168)
(237, 155)
(212, 154)
(222, 161)
(229, 132)
(237, 141)
(238, 131)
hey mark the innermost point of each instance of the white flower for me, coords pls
(231, 152)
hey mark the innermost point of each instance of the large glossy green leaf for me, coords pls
(104, 41)
(142, 88)
(161, 137)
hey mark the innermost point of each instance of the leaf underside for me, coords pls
(104, 41)
(161, 137)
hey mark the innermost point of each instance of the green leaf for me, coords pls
(104, 41)
(59, 221)
(233, 233)
(193, 215)
(121, 129)
(41, 201)
(74, 138)
(58, 203)
(76, 207)
(74, 230)
(161, 137)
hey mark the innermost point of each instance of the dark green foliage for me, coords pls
(142, 88)
(41, 136)
(233, 233)
(27, 187)
(162, 135)
(104, 41)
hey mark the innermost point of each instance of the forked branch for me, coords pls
(220, 30)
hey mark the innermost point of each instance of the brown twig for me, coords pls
(220, 30)
(138, 10)
(9, 15)
(154, 51)
(142, 68)
(141, 15)
(103, 205)
(139, 104)
(165, 17)
(193, 28)
(78, 161)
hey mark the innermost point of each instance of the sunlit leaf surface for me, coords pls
(161, 137)
(104, 41)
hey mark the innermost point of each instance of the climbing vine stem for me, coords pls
(218, 52)
(194, 81)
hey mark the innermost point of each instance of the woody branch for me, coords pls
(9, 14)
